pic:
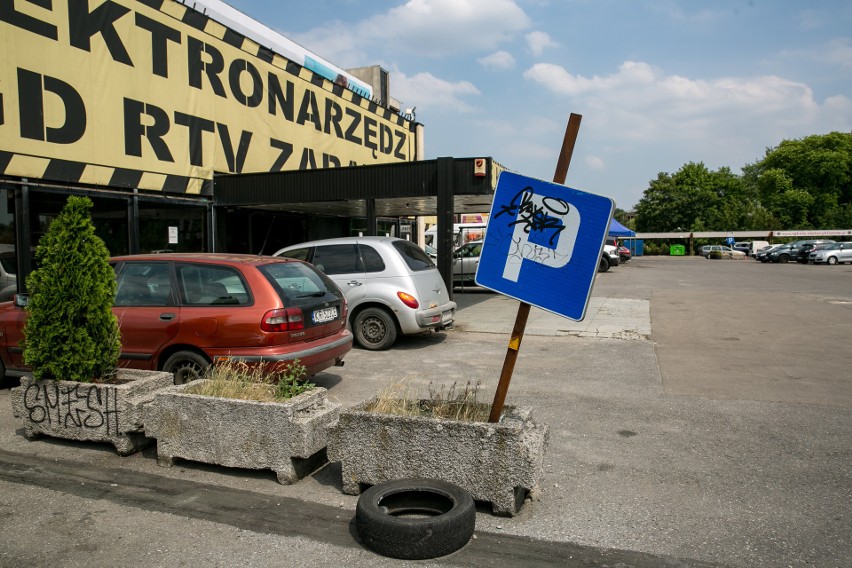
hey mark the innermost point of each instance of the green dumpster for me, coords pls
(677, 250)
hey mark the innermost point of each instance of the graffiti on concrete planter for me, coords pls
(66, 405)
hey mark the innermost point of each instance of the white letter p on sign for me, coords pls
(545, 233)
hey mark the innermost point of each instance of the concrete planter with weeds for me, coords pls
(500, 463)
(287, 437)
(93, 412)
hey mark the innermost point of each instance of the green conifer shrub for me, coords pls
(70, 332)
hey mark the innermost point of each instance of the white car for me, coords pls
(466, 261)
(833, 253)
(722, 250)
(609, 258)
(390, 284)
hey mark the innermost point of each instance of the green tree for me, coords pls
(70, 331)
(690, 198)
(818, 165)
(620, 215)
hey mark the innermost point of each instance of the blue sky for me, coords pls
(659, 83)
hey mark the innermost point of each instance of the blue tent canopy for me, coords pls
(616, 229)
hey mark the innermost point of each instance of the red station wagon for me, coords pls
(180, 312)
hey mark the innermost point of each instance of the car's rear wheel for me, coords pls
(603, 265)
(374, 329)
(187, 366)
(831, 261)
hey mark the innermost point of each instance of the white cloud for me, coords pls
(839, 53)
(426, 91)
(497, 60)
(431, 28)
(539, 41)
(336, 42)
(647, 104)
(811, 19)
(595, 163)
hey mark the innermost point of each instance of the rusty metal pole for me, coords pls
(524, 309)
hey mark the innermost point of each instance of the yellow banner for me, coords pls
(152, 86)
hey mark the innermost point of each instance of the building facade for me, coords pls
(139, 104)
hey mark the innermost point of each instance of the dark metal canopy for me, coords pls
(397, 190)
(441, 187)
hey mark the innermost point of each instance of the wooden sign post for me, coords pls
(559, 176)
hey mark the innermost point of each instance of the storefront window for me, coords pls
(384, 226)
(161, 224)
(109, 216)
(8, 262)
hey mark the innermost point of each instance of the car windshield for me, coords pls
(296, 281)
(831, 246)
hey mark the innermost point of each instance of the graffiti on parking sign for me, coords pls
(539, 222)
(543, 243)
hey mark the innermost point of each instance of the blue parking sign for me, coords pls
(544, 243)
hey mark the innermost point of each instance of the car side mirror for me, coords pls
(21, 300)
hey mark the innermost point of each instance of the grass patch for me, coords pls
(451, 403)
(237, 379)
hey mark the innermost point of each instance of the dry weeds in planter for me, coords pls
(399, 435)
(450, 403)
(239, 380)
(244, 416)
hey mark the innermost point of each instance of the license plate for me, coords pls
(325, 315)
(447, 316)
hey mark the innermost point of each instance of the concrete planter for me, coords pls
(287, 437)
(90, 412)
(499, 463)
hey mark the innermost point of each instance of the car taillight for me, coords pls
(408, 300)
(288, 319)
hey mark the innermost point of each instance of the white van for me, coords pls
(463, 233)
(756, 246)
(750, 247)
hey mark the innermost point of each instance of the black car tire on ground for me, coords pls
(603, 265)
(375, 329)
(187, 366)
(415, 519)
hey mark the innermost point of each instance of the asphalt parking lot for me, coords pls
(699, 416)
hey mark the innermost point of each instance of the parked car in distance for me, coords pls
(755, 246)
(806, 249)
(623, 254)
(391, 285)
(8, 276)
(609, 258)
(831, 254)
(705, 250)
(750, 247)
(743, 246)
(790, 251)
(466, 261)
(724, 251)
(431, 252)
(181, 312)
(763, 253)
